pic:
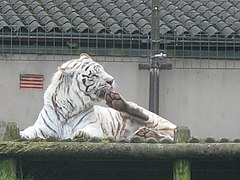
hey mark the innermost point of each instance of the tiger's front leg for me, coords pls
(81, 135)
(151, 120)
(89, 131)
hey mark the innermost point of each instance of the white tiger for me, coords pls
(69, 110)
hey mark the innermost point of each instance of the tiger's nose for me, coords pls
(110, 82)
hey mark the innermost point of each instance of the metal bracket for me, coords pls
(147, 66)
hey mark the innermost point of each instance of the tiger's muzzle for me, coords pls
(107, 85)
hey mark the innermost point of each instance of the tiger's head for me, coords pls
(80, 79)
(88, 77)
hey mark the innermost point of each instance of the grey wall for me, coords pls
(207, 101)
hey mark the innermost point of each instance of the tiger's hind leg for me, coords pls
(141, 115)
(115, 101)
(146, 132)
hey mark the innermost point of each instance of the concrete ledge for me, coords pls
(87, 150)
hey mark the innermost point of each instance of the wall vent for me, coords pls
(31, 81)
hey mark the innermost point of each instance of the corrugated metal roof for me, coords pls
(207, 17)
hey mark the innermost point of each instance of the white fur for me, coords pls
(69, 109)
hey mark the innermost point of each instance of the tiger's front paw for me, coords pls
(24, 136)
(81, 135)
(27, 134)
(115, 101)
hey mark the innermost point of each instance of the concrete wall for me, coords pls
(207, 101)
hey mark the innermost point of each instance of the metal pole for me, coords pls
(154, 71)
(154, 90)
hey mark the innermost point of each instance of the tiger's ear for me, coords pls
(66, 71)
(84, 56)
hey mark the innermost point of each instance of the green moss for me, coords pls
(7, 168)
(182, 170)
(12, 132)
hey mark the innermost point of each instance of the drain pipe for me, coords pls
(157, 60)
(154, 71)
